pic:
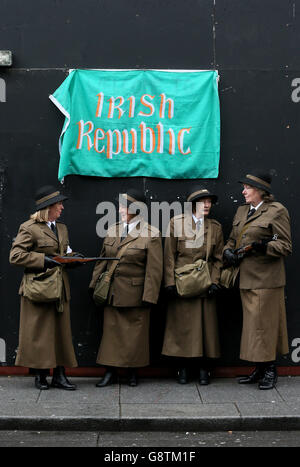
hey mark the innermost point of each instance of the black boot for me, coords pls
(60, 380)
(182, 376)
(255, 376)
(203, 377)
(108, 378)
(132, 377)
(269, 378)
(41, 379)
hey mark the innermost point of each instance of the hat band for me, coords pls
(46, 198)
(259, 180)
(197, 193)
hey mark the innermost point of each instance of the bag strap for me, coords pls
(208, 240)
(241, 234)
(115, 263)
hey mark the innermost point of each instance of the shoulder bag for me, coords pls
(194, 279)
(104, 281)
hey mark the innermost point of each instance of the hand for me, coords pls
(230, 257)
(78, 255)
(260, 247)
(171, 291)
(213, 290)
(50, 263)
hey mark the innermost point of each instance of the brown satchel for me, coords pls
(46, 286)
(104, 281)
(194, 279)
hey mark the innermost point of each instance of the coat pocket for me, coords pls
(137, 281)
(46, 246)
(135, 253)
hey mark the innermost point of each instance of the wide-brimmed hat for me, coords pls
(132, 195)
(258, 179)
(46, 196)
(198, 192)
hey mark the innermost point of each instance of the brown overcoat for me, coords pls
(45, 339)
(135, 284)
(191, 324)
(262, 280)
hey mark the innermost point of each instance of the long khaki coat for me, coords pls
(191, 324)
(262, 280)
(135, 284)
(45, 339)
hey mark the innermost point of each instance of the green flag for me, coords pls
(152, 123)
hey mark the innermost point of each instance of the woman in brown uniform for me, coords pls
(134, 289)
(191, 326)
(45, 339)
(265, 224)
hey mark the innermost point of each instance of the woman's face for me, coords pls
(55, 211)
(203, 207)
(125, 215)
(251, 195)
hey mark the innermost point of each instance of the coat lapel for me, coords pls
(259, 211)
(48, 231)
(130, 238)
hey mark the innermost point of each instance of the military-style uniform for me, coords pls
(262, 280)
(191, 325)
(135, 285)
(45, 338)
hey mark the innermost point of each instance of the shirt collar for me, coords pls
(256, 207)
(49, 223)
(196, 219)
(131, 225)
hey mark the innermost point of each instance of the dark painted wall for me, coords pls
(255, 46)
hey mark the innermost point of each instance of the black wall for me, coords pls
(255, 46)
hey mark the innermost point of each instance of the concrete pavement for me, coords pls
(155, 404)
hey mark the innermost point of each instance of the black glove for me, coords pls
(171, 291)
(260, 247)
(213, 290)
(50, 263)
(230, 258)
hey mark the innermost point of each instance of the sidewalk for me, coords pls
(155, 404)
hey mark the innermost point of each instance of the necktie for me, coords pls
(251, 212)
(125, 232)
(198, 225)
(53, 228)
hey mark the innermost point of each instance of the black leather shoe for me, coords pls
(269, 379)
(41, 380)
(182, 376)
(132, 378)
(254, 377)
(203, 377)
(60, 380)
(107, 379)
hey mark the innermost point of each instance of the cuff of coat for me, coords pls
(149, 300)
(170, 284)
